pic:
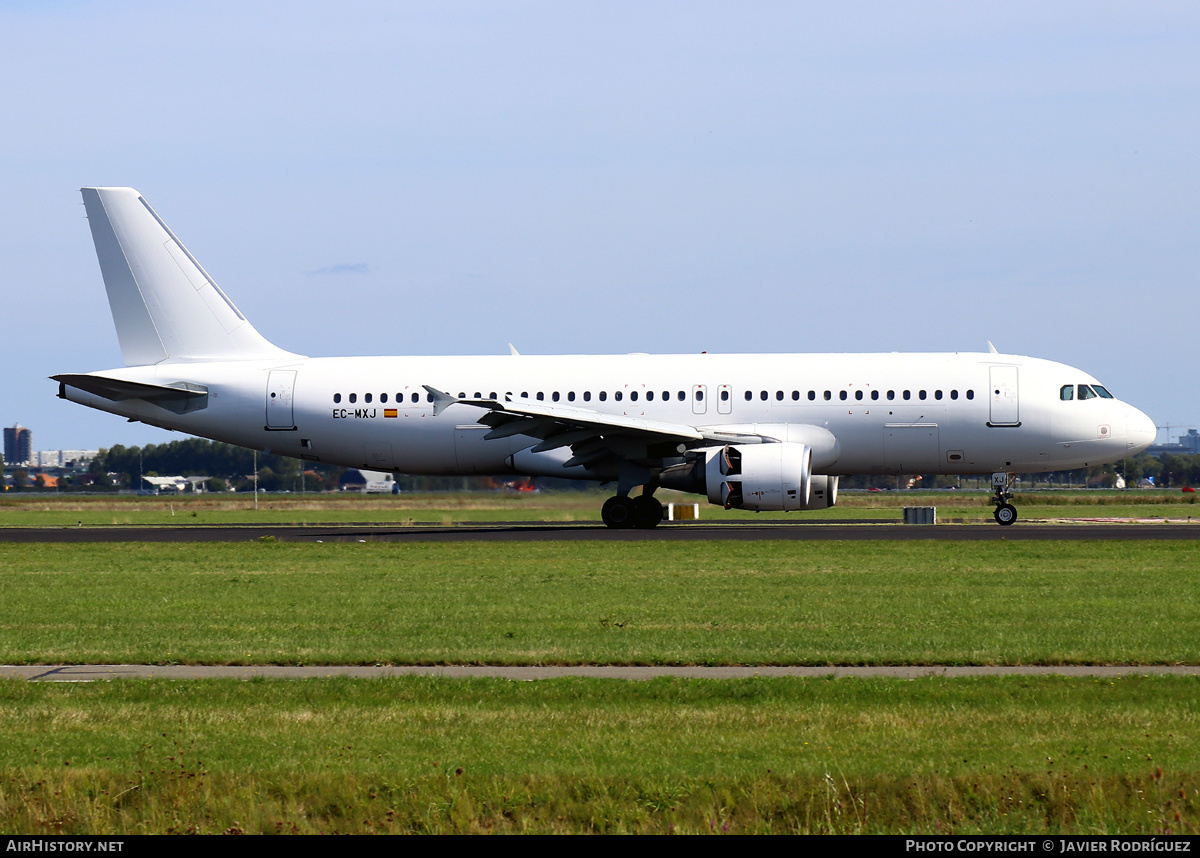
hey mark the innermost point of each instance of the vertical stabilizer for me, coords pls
(165, 306)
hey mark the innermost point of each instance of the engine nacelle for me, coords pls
(822, 492)
(760, 476)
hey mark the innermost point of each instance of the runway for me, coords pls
(586, 531)
(103, 672)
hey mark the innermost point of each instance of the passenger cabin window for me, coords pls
(541, 396)
(874, 395)
(603, 395)
(842, 396)
(587, 396)
(337, 397)
(749, 396)
(812, 395)
(891, 395)
(682, 397)
(367, 397)
(970, 394)
(633, 396)
(554, 396)
(353, 398)
(617, 396)
(858, 395)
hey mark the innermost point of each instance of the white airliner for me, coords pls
(759, 432)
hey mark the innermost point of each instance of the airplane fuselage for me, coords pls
(889, 413)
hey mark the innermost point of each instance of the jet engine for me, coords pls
(759, 476)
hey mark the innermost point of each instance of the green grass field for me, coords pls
(602, 603)
(433, 755)
(419, 754)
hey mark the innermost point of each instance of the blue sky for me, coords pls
(444, 178)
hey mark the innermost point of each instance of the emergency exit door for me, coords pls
(1006, 409)
(280, 386)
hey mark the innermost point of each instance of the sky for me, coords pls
(611, 177)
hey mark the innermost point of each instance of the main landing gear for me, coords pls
(643, 512)
(1005, 512)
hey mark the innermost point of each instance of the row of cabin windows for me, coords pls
(859, 395)
(764, 395)
(617, 396)
(555, 396)
(383, 398)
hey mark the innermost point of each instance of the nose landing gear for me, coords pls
(1005, 512)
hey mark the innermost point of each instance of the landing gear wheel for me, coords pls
(647, 512)
(618, 512)
(1005, 514)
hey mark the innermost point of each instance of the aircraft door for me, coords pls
(724, 399)
(281, 384)
(1005, 409)
(699, 398)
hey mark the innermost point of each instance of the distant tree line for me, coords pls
(230, 467)
(227, 466)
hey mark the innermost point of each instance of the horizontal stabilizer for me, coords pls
(179, 398)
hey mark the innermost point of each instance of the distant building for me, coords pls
(1189, 443)
(18, 445)
(177, 484)
(77, 460)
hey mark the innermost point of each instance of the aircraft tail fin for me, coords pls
(164, 304)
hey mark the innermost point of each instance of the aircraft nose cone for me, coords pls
(1139, 431)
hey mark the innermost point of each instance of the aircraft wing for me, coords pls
(592, 435)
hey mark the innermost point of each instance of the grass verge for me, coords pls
(602, 603)
(418, 754)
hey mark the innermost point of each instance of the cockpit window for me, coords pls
(1067, 392)
(1085, 392)
(1104, 394)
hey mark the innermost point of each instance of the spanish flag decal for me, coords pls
(389, 412)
